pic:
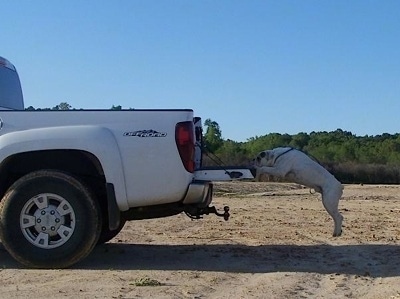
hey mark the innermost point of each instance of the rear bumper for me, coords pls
(199, 193)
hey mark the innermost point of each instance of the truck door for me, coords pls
(10, 87)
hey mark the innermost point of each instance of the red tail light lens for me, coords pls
(184, 137)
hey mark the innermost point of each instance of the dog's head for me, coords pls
(264, 158)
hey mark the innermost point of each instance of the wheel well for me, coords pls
(83, 165)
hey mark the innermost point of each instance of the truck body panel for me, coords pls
(138, 164)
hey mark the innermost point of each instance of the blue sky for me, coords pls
(254, 67)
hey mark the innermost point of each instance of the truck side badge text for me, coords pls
(145, 133)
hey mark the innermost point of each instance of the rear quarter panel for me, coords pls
(153, 169)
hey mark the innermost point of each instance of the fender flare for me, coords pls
(99, 141)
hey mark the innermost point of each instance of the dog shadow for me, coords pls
(364, 260)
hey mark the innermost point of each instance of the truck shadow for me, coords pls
(364, 260)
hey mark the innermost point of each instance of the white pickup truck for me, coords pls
(69, 180)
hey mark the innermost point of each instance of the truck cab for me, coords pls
(10, 87)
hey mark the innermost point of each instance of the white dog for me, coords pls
(295, 166)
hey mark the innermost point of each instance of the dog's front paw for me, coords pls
(337, 234)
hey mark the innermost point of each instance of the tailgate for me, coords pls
(218, 173)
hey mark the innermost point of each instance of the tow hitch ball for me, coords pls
(225, 214)
(208, 210)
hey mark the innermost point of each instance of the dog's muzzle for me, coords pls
(256, 162)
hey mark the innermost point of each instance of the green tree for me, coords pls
(233, 153)
(62, 106)
(213, 136)
(119, 107)
(300, 140)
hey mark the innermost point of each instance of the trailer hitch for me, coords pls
(225, 214)
(197, 213)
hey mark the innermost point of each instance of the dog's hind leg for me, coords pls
(330, 199)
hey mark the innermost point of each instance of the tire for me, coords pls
(49, 219)
(107, 234)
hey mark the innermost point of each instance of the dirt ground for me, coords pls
(277, 244)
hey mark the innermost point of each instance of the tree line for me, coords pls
(352, 159)
(66, 106)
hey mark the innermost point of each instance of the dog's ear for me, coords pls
(259, 157)
(269, 155)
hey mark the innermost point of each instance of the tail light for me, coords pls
(184, 138)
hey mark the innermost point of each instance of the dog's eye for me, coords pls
(262, 155)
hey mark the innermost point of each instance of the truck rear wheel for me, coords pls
(49, 219)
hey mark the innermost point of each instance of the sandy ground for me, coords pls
(277, 244)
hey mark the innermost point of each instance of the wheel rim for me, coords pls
(47, 220)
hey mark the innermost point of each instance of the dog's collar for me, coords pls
(281, 154)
